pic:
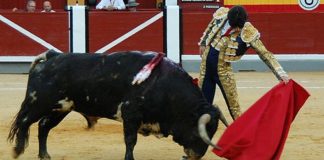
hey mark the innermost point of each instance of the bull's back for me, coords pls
(83, 66)
(90, 80)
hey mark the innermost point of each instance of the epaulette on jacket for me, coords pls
(221, 13)
(249, 33)
(219, 18)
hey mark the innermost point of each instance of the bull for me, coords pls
(98, 85)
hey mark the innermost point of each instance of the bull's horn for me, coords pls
(39, 58)
(222, 117)
(203, 120)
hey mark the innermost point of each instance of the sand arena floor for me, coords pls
(71, 141)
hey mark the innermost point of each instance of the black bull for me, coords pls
(167, 103)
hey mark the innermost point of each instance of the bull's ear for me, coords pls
(222, 117)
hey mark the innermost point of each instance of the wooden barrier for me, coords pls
(282, 33)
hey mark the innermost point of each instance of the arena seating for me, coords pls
(60, 4)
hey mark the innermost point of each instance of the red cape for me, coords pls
(260, 133)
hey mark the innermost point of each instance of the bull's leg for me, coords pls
(91, 121)
(132, 119)
(130, 135)
(191, 155)
(44, 126)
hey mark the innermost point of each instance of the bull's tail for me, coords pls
(19, 130)
(14, 126)
(43, 57)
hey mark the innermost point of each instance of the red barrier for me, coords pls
(282, 33)
(105, 27)
(52, 28)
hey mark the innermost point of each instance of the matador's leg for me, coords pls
(208, 79)
(227, 84)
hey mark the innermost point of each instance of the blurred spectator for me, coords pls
(47, 6)
(91, 3)
(30, 6)
(159, 4)
(111, 5)
(131, 5)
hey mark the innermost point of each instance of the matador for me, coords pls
(225, 40)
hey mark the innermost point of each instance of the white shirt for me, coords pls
(225, 28)
(119, 4)
(49, 11)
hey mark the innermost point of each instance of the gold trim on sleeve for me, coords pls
(249, 33)
(268, 58)
(221, 13)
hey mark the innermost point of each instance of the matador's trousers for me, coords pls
(214, 70)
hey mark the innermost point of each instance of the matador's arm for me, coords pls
(251, 36)
(268, 58)
(203, 38)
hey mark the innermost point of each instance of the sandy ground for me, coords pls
(70, 140)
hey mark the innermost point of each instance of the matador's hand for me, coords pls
(285, 78)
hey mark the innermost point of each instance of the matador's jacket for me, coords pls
(224, 46)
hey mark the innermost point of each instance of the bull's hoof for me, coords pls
(16, 152)
(15, 155)
(44, 157)
(91, 121)
(90, 128)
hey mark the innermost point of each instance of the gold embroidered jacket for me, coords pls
(236, 43)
